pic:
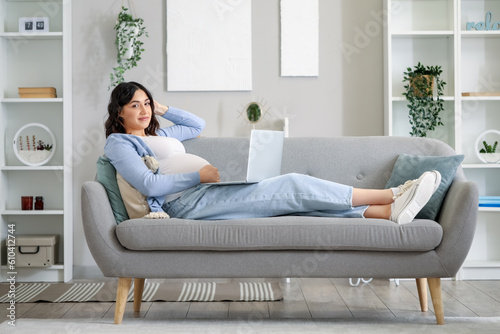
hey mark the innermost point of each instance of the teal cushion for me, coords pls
(106, 175)
(410, 167)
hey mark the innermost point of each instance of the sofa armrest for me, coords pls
(99, 226)
(458, 219)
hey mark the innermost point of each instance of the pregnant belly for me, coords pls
(182, 163)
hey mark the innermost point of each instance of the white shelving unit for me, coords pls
(434, 33)
(36, 60)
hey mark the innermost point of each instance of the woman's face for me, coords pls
(137, 114)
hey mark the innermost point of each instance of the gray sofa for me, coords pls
(291, 246)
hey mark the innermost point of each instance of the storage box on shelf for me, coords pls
(36, 60)
(435, 33)
(36, 250)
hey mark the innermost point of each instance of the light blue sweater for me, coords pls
(125, 153)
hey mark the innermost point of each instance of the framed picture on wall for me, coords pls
(33, 24)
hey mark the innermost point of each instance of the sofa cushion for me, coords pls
(409, 167)
(279, 233)
(106, 175)
(136, 203)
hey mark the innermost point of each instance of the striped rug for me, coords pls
(106, 292)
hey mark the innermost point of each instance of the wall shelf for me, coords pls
(480, 34)
(486, 209)
(402, 98)
(32, 212)
(481, 166)
(31, 168)
(480, 98)
(17, 35)
(31, 100)
(423, 33)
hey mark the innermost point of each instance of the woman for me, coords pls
(133, 132)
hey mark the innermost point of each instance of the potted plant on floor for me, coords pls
(128, 44)
(424, 89)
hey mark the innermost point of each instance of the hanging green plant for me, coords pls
(424, 106)
(128, 44)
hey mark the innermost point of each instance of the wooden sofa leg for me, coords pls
(422, 293)
(138, 289)
(121, 298)
(437, 299)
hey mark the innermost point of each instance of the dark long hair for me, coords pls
(120, 96)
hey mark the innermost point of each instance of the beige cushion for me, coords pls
(135, 202)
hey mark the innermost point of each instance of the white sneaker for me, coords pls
(408, 204)
(402, 188)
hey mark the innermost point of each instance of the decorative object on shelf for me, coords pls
(486, 152)
(481, 94)
(487, 24)
(128, 44)
(39, 203)
(37, 92)
(34, 144)
(424, 89)
(26, 202)
(489, 201)
(33, 24)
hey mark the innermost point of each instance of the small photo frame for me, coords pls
(33, 24)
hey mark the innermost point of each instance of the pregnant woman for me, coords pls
(178, 187)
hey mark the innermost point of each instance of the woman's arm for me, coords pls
(125, 152)
(186, 125)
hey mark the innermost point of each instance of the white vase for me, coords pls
(131, 33)
(491, 158)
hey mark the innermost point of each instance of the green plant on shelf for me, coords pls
(488, 148)
(424, 107)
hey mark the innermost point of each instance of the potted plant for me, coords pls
(424, 107)
(488, 152)
(128, 44)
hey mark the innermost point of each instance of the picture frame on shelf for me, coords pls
(33, 24)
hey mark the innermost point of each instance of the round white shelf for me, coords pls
(27, 141)
(490, 136)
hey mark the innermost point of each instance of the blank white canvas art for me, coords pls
(209, 45)
(299, 38)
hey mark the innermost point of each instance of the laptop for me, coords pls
(264, 157)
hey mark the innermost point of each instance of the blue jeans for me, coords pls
(289, 194)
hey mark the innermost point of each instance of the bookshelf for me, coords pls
(36, 60)
(435, 33)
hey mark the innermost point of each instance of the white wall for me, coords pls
(345, 100)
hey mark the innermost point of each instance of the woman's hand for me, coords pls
(160, 109)
(209, 174)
